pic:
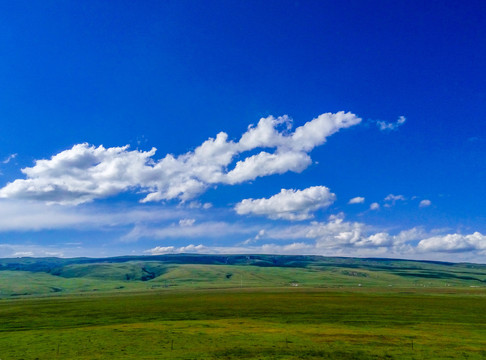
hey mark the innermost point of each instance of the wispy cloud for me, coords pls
(18, 215)
(390, 126)
(206, 229)
(391, 200)
(9, 158)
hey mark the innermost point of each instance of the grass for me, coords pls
(241, 307)
(146, 275)
(290, 323)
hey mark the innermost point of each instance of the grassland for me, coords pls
(46, 277)
(248, 324)
(241, 307)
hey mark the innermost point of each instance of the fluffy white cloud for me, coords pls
(339, 235)
(425, 203)
(357, 200)
(81, 174)
(289, 204)
(385, 126)
(374, 206)
(160, 250)
(84, 172)
(453, 243)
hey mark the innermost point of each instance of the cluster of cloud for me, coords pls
(335, 236)
(386, 126)
(339, 237)
(391, 200)
(337, 233)
(84, 173)
(289, 204)
(453, 243)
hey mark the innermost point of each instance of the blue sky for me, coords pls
(351, 128)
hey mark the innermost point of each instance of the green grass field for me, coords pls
(241, 307)
(248, 324)
(47, 277)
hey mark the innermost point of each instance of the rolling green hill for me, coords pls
(55, 276)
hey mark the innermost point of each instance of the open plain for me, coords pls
(344, 310)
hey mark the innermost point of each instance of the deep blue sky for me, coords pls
(173, 74)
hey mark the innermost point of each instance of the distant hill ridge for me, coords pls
(46, 264)
(41, 276)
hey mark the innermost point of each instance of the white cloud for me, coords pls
(413, 234)
(385, 126)
(293, 248)
(160, 250)
(254, 239)
(9, 158)
(357, 200)
(374, 206)
(264, 164)
(392, 199)
(81, 174)
(289, 204)
(337, 237)
(21, 215)
(84, 173)
(213, 229)
(199, 205)
(23, 254)
(30, 250)
(453, 243)
(187, 222)
(425, 203)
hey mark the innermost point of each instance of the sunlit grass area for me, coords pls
(248, 324)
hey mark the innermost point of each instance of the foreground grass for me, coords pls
(248, 324)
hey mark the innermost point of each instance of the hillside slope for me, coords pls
(48, 276)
